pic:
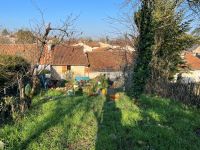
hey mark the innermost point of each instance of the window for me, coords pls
(68, 67)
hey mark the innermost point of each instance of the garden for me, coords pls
(60, 121)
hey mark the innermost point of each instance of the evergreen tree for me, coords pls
(145, 44)
(162, 38)
(5, 32)
(171, 39)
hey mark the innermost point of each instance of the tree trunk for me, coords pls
(21, 93)
(35, 73)
(34, 85)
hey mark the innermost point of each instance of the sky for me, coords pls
(92, 20)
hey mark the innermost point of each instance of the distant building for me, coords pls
(110, 63)
(195, 50)
(67, 60)
(28, 51)
(192, 69)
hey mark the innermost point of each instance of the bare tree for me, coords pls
(45, 33)
(124, 27)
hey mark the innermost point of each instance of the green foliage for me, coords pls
(27, 90)
(144, 21)
(13, 63)
(10, 66)
(103, 82)
(9, 109)
(163, 36)
(80, 122)
(4, 32)
(61, 83)
(25, 37)
(96, 84)
(196, 32)
(45, 71)
(171, 39)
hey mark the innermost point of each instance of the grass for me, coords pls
(59, 122)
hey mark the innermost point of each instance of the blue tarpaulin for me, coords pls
(78, 78)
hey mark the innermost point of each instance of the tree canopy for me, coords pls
(163, 35)
(25, 37)
(4, 32)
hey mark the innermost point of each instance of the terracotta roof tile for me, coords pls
(69, 55)
(108, 61)
(27, 51)
(192, 61)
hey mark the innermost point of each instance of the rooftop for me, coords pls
(192, 61)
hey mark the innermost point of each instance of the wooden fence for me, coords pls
(187, 93)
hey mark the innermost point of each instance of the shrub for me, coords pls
(10, 66)
(9, 108)
(61, 83)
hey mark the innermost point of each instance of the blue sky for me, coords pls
(93, 14)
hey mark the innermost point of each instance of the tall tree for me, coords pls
(171, 39)
(144, 21)
(162, 38)
(4, 32)
(43, 33)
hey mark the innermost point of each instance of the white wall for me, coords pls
(190, 77)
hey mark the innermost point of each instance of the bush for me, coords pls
(9, 108)
(10, 66)
(95, 85)
(61, 83)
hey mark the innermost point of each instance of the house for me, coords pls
(73, 60)
(65, 61)
(110, 63)
(192, 74)
(195, 50)
(68, 59)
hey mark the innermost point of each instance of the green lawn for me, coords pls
(59, 122)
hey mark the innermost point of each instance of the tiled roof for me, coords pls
(27, 51)
(99, 60)
(108, 61)
(192, 61)
(60, 55)
(69, 55)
